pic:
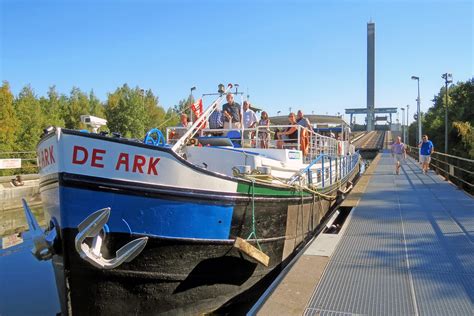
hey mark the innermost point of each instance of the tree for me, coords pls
(460, 119)
(466, 132)
(125, 112)
(52, 107)
(8, 120)
(184, 106)
(154, 113)
(95, 106)
(28, 112)
(77, 105)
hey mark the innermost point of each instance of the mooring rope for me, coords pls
(297, 187)
(254, 230)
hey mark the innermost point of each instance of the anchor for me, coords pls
(42, 242)
(93, 227)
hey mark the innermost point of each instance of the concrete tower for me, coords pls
(370, 76)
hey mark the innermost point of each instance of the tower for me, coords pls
(370, 76)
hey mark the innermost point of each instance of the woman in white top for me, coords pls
(264, 130)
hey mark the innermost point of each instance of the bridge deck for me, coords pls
(408, 249)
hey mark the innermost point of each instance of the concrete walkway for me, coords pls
(408, 249)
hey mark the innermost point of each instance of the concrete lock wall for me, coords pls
(10, 195)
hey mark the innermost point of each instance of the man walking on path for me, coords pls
(399, 153)
(426, 149)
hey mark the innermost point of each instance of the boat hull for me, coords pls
(189, 264)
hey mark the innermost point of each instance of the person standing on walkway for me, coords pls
(399, 153)
(426, 149)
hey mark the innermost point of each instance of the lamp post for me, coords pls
(418, 108)
(403, 125)
(408, 125)
(191, 99)
(447, 80)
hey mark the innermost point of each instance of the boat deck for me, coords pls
(406, 249)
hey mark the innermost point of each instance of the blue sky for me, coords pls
(308, 55)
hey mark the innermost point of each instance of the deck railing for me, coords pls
(268, 137)
(456, 169)
(330, 170)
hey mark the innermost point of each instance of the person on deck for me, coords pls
(182, 127)
(216, 122)
(232, 115)
(426, 149)
(250, 120)
(399, 153)
(264, 130)
(291, 133)
(303, 121)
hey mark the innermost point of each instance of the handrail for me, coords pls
(17, 152)
(300, 173)
(447, 155)
(461, 176)
(315, 144)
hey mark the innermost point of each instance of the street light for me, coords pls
(418, 108)
(447, 80)
(403, 124)
(408, 129)
(191, 99)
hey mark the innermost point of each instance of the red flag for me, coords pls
(197, 110)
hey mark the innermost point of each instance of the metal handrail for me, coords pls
(17, 152)
(300, 173)
(449, 169)
(317, 144)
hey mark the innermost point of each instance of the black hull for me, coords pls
(188, 276)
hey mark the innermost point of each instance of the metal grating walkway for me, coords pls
(408, 250)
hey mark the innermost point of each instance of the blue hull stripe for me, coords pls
(146, 215)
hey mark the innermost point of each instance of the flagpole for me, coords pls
(190, 133)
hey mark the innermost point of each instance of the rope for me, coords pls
(297, 187)
(254, 231)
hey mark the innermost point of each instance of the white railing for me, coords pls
(311, 143)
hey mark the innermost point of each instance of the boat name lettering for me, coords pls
(46, 157)
(136, 163)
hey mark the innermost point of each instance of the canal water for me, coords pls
(27, 286)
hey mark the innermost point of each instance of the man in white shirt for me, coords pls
(250, 120)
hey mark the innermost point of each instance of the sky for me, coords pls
(308, 55)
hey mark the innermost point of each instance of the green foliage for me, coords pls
(184, 106)
(466, 132)
(52, 108)
(95, 106)
(28, 111)
(154, 114)
(132, 112)
(172, 118)
(460, 120)
(8, 119)
(125, 112)
(77, 105)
